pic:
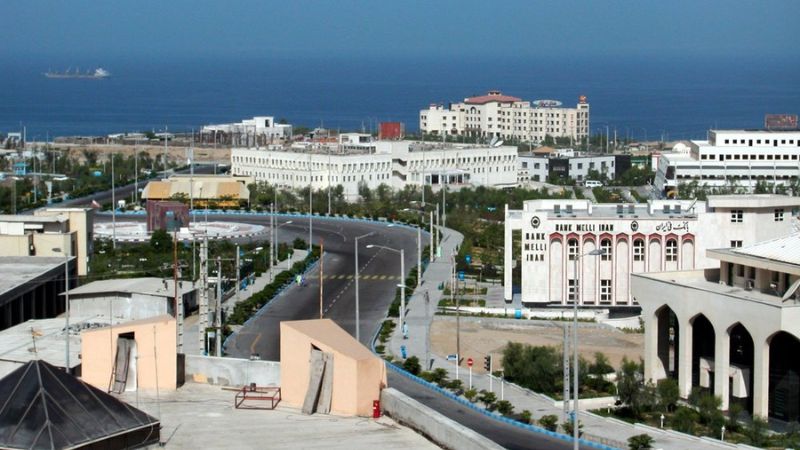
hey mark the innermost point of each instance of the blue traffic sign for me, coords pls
(461, 275)
(468, 259)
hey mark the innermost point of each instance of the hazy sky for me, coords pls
(430, 28)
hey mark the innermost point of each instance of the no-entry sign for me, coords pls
(469, 362)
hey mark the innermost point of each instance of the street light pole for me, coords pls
(402, 281)
(66, 307)
(358, 317)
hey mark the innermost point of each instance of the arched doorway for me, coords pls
(668, 333)
(784, 377)
(741, 358)
(703, 353)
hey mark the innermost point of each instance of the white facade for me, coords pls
(394, 163)
(662, 235)
(507, 117)
(262, 126)
(743, 157)
(130, 298)
(732, 330)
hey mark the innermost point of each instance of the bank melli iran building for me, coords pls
(558, 239)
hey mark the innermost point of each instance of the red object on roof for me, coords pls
(492, 96)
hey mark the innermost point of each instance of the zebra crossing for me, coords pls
(361, 277)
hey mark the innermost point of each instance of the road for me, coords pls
(380, 274)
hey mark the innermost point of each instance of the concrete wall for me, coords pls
(156, 355)
(440, 429)
(232, 371)
(133, 307)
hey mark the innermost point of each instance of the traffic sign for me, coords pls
(469, 362)
(468, 259)
(452, 357)
(460, 275)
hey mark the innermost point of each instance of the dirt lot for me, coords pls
(174, 152)
(479, 339)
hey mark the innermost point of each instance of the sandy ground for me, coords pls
(174, 152)
(481, 338)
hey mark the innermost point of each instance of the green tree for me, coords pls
(568, 430)
(525, 416)
(549, 422)
(633, 392)
(505, 407)
(668, 393)
(160, 241)
(412, 365)
(640, 442)
(487, 398)
(471, 395)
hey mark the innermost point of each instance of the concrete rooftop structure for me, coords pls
(18, 270)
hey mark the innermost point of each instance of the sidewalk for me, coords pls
(191, 342)
(419, 316)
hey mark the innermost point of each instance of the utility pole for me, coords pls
(113, 207)
(565, 363)
(271, 239)
(321, 273)
(218, 318)
(178, 299)
(454, 298)
(432, 249)
(419, 254)
(165, 152)
(310, 208)
(203, 300)
(237, 272)
(136, 173)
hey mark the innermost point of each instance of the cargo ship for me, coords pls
(98, 73)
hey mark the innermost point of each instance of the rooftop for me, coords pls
(148, 286)
(18, 270)
(492, 96)
(32, 219)
(182, 410)
(784, 249)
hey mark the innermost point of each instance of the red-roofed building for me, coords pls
(496, 115)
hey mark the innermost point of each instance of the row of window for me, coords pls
(605, 290)
(752, 157)
(670, 250)
(758, 141)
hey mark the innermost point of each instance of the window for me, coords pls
(605, 246)
(739, 270)
(779, 215)
(638, 250)
(605, 291)
(736, 244)
(572, 249)
(672, 250)
(572, 291)
(737, 215)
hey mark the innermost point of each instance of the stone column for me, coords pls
(650, 345)
(684, 357)
(722, 366)
(760, 388)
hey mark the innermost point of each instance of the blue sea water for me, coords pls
(677, 98)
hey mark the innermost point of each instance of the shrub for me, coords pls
(487, 398)
(684, 419)
(668, 393)
(567, 426)
(640, 442)
(412, 365)
(756, 432)
(455, 385)
(525, 416)
(505, 407)
(471, 395)
(549, 422)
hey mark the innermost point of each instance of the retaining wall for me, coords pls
(440, 429)
(232, 371)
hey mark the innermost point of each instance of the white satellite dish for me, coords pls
(498, 143)
(493, 142)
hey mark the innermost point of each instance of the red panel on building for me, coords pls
(391, 130)
(166, 215)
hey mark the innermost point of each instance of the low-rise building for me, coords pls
(131, 298)
(372, 163)
(568, 164)
(732, 158)
(557, 237)
(496, 115)
(201, 190)
(30, 287)
(732, 329)
(260, 130)
(50, 232)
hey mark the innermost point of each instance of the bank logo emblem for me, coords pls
(535, 222)
(634, 226)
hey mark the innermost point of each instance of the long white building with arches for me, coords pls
(553, 241)
(732, 330)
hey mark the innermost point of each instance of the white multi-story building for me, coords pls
(263, 128)
(557, 237)
(395, 163)
(732, 329)
(507, 117)
(733, 157)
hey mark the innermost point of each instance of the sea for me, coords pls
(644, 97)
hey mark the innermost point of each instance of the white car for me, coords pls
(593, 184)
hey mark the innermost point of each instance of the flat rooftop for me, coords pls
(18, 270)
(182, 410)
(32, 219)
(148, 286)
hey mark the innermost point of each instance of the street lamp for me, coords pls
(419, 242)
(575, 301)
(358, 323)
(66, 305)
(272, 245)
(402, 284)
